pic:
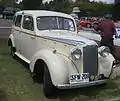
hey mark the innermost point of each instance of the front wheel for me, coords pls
(48, 87)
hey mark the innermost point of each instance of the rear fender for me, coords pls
(11, 38)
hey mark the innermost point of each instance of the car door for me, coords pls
(28, 37)
(16, 28)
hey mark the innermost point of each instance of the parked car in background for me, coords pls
(88, 22)
(49, 43)
(16, 10)
(9, 12)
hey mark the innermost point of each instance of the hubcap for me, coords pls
(88, 26)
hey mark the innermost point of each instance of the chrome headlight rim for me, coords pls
(104, 51)
(76, 53)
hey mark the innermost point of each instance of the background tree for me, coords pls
(1, 7)
(57, 5)
(31, 4)
(93, 8)
(80, 1)
(8, 3)
(87, 8)
(116, 11)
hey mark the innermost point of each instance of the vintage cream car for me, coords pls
(49, 43)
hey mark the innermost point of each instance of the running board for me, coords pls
(22, 57)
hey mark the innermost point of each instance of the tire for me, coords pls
(48, 87)
(88, 25)
(3, 16)
(95, 25)
(12, 50)
(102, 85)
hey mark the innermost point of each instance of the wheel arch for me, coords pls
(58, 68)
(39, 68)
(11, 43)
(11, 40)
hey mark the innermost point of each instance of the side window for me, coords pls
(28, 23)
(18, 21)
(13, 22)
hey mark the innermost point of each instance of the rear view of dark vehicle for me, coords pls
(16, 10)
(8, 12)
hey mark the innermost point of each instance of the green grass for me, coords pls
(16, 84)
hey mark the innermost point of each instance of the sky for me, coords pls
(107, 1)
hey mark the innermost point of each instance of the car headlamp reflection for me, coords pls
(76, 54)
(104, 51)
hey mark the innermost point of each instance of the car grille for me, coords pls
(90, 59)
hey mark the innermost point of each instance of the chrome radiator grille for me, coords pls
(90, 59)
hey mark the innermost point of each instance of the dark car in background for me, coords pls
(16, 10)
(9, 12)
(1, 10)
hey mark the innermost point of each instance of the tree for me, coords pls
(93, 8)
(1, 7)
(8, 2)
(82, 1)
(116, 10)
(31, 4)
(59, 5)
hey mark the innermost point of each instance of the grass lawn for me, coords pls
(16, 84)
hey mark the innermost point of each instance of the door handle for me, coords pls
(32, 38)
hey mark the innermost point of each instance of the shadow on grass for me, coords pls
(3, 96)
(22, 62)
(83, 94)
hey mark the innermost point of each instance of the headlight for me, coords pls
(104, 51)
(76, 54)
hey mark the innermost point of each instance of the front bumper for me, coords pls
(79, 85)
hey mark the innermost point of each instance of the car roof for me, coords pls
(44, 13)
(8, 8)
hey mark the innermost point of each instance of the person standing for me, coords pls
(107, 30)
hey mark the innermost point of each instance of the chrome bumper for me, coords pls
(78, 85)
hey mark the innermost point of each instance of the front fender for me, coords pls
(106, 64)
(58, 65)
(12, 40)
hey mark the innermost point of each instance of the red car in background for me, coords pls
(88, 22)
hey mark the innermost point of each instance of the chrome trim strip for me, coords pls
(66, 41)
(79, 85)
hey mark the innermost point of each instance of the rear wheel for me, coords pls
(101, 85)
(48, 87)
(95, 25)
(88, 25)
